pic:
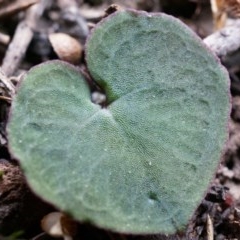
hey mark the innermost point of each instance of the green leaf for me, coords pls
(143, 163)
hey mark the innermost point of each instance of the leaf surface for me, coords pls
(143, 163)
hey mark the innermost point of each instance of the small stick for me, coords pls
(15, 7)
(210, 231)
(17, 48)
(4, 39)
(226, 40)
(22, 38)
(8, 84)
(67, 3)
(5, 98)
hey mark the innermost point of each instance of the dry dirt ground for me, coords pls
(20, 210)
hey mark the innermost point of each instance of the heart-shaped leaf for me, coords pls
(143, 163)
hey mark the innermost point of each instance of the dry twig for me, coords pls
(210, 231)
(4, 39)
(8, 99)
(16, 6)
(7, 83)
(226, 40)
(22, 37)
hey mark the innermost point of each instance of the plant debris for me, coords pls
(23, 28)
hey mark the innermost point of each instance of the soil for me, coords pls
(217, 217)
